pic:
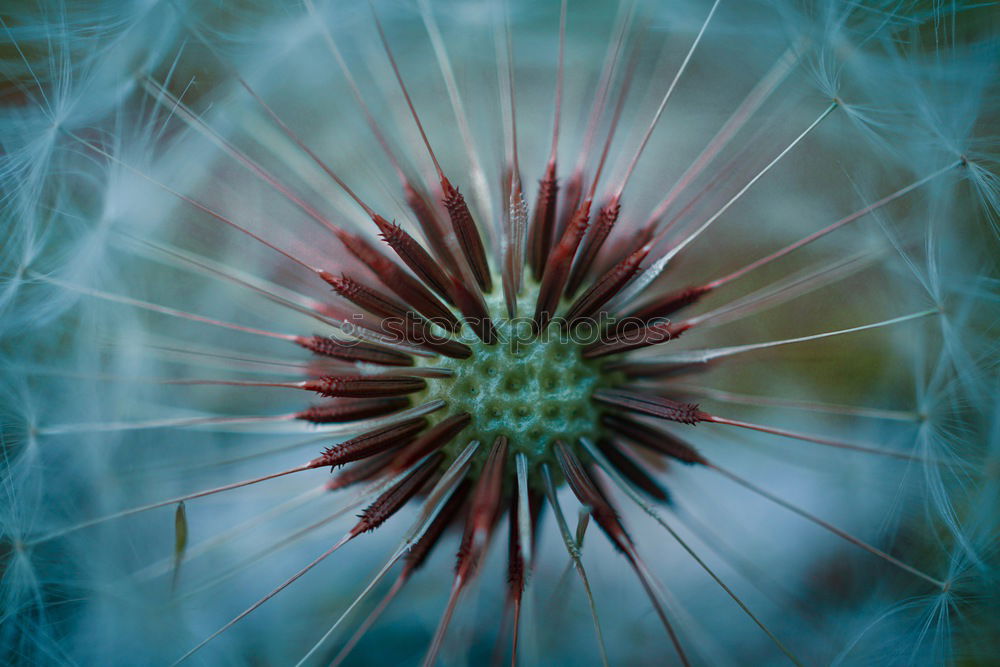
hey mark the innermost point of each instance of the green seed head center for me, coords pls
(533, 391)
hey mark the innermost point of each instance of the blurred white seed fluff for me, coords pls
(124, 124)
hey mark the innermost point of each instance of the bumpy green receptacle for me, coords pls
(532, 391)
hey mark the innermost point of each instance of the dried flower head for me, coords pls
(717, 278)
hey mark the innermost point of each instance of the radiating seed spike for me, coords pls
(599, 231)
(515, 558)
(458, 211)
(826, 525)
(406, 287)
(435, 647)
(467, 234)
(434, 231)
(46, 537)
(512, 272)
(660, 264)
(475, 312)
(827, 442)
(607, 286)
(606, 516)
(632, 471)
(360, 471)
(414, 256)
(515, 575)
(622, 484)
(364, 297)
(651, 438)
(431, 440)
(353, 351)
(415, 199)
(348, 410)
(485, 506)
(197, 122)
(543, 220)
(572, 549)
(398, 319)
(634, 339)
(447, 517)
(669, 304)
(364, 386)
(558, 267)
(483, 512)
(656, 406)
(514, 254)
(371, 443)
(393, 499)
(666, 98)
(498, 643)
(451, 477)
(589, 495)
(256, 605)
(752, 266)
(625, 246)
(573, 194)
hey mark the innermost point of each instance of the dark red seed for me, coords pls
(431, 440)
(467, 234)
(599, 231)
(607, 286)
(543, 220)
(655, 406)
(448, 515)
(405, 286)
(624, 247)
(573, 192)
(398, 495)
(652, 438)
(354, 351)
(365, 297)
(671, 303)
(370, 444)
(486, 503)
(426, 303)
(605, 515)
(632, 471)
(364, 386)
(360, 471)
(348, 410)
(431, 225)
(633, 339)
(415, 257)
(589, 495)
(557, 268)
(484, 510)
(474, 310)
(398, 320)
(515, 561)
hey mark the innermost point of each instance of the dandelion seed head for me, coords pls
(213, 213)
(533, 391)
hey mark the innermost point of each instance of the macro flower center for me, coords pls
(710, 280)
(533, 390)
